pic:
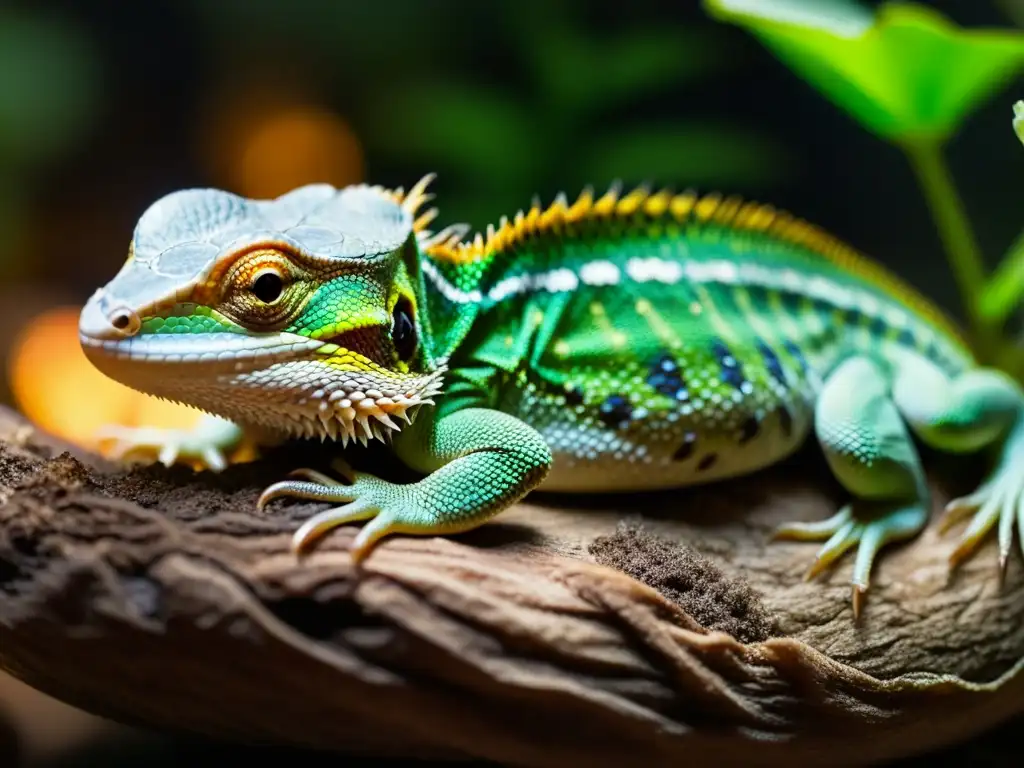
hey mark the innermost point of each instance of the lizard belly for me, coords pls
(666, 449)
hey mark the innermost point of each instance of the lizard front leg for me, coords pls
(477, 463)
(206, 444)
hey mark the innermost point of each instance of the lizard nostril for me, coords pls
(125, 321)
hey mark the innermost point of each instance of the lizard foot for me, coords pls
(390, 507)
(1000, 499)
(203, 446)
(870, 524)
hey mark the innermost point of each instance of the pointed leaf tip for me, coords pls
(844, 18)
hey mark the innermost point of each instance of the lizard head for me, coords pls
(300, 315)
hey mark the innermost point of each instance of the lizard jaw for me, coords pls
(283, 383)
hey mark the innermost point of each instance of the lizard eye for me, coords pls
(267, 287)
(403, 330)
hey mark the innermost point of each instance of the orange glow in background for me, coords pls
(57, 388)
(293, 148)
(262, 141)
(259, 144)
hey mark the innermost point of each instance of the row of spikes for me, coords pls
(712, 208)
(363, 416)
(356, 422)
(416, 198)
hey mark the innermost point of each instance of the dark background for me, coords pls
(105, 106)
(129, 101)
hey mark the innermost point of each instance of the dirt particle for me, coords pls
(14, 467)
(689, 579)
(65, 471)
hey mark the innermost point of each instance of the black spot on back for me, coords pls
(707, 462)
(615, 410)
(933, 353)
(832, 331)
(749, 429)
(666, 378)
(824, 309)
(730, 369)
(771, 361)
(906, 336)
(797, 354)
(685, 450)
(573, 395)
(792, 302)
(878, 327)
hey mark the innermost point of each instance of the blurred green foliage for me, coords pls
(49, 93)
(582, 118)
(910, 76)
(579, 112)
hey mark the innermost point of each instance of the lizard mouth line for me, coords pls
(204, 349)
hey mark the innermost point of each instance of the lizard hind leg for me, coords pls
(980, 409)
(872, 454)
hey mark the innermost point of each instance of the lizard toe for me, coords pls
(998, 502)
(868, 525)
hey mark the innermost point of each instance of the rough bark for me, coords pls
(639, 630)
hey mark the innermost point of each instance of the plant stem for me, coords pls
(1002, 295)
(955, 231)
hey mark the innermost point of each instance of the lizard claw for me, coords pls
(868, 524)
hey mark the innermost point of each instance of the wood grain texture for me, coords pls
(162, 598)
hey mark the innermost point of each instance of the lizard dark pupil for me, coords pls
(403, 331)
(268, 287)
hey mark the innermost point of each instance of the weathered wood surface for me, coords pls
(553, 636)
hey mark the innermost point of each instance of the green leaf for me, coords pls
(907, 73)
(689, 154)
(1005, 289)
(471, 130)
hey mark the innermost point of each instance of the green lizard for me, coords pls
(627, 342)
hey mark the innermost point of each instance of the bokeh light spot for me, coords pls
(299, 146)
(56, 387)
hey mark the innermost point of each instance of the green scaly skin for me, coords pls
(625, 343)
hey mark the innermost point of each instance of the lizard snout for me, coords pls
(99, 322)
